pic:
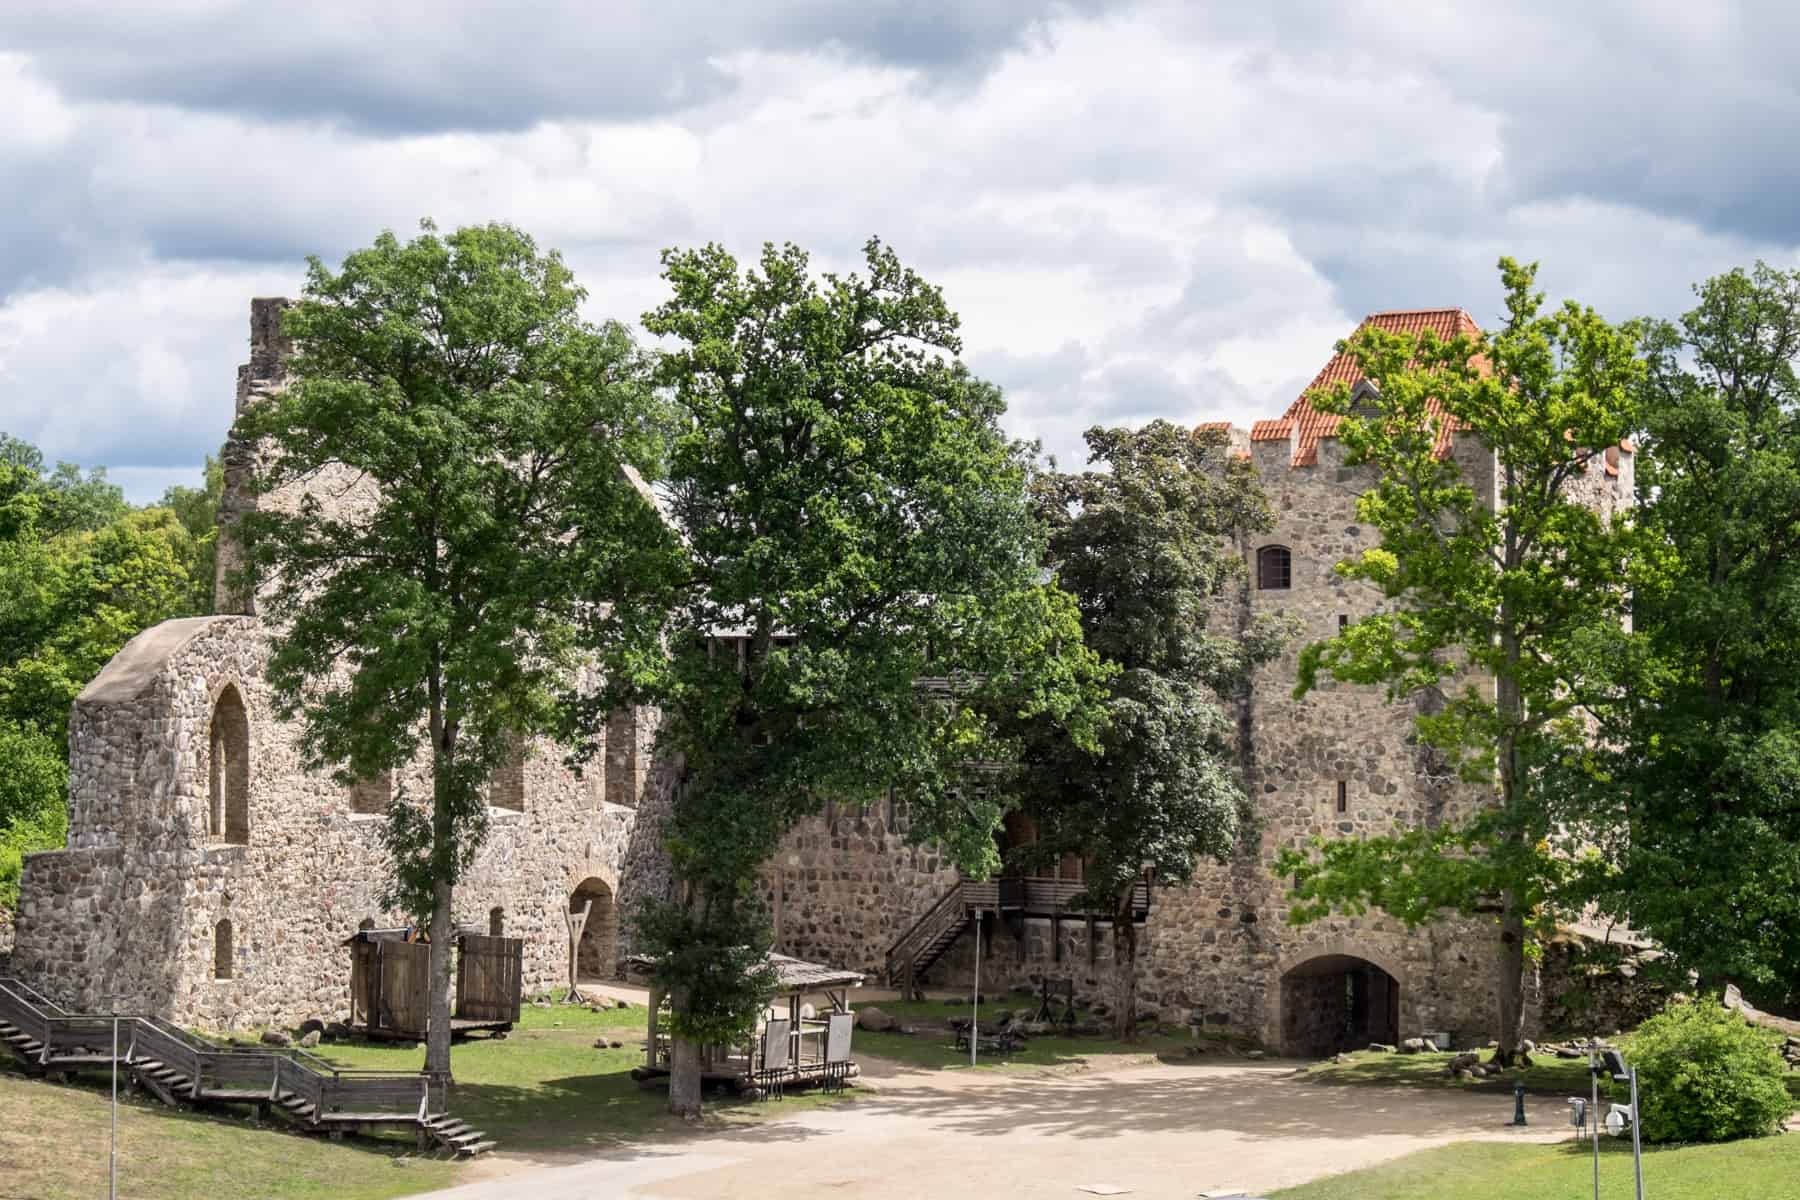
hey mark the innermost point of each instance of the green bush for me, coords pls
(1707, 1075)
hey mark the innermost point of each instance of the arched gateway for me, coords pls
(1335, 1002)
(598, 954)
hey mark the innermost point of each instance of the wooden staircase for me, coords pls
(456, 1135)
(934, 932)
(1014, 897)
(181, 1069)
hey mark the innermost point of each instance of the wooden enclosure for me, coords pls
(390, 983)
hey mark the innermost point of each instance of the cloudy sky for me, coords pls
(1139, 209)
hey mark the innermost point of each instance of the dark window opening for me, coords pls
(496, 922)
(1343, 621)
(1343, 797)
(222, 950)
(1274, 568)
(371, 796)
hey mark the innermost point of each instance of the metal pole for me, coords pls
(1637, 1147)
(975, 1000)
(1594, 1081)
(112, 1184)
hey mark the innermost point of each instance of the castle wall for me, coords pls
(845, 885)
(133, 907)
(1217, 950)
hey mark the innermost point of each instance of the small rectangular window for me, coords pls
(1343, 796)
(1343, 621)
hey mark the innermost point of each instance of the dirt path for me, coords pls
(1163, 1131)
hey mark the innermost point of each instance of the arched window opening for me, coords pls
(372, 795)
(222, 956)
(496, 922)
(228, 777)
(1274, 568)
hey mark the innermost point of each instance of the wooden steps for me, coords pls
(456, 1135)
(182, 1069)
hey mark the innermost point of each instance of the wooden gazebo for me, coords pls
(788, 1049)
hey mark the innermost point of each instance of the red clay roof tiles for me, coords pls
(1313, 425)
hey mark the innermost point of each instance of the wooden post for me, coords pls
(577, 921)
(656, 999)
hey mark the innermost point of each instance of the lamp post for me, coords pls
(975, 998)
(112, 1173)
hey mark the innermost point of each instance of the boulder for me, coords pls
(874, 1020)
(274, 1037)
(1412, 1046)
(310, 1040)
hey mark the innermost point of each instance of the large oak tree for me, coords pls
(854, 522)
(449, 451)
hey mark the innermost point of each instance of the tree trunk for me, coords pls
(1125, 947)
(437, 1032)
(1511, 1034)
(684, 1068)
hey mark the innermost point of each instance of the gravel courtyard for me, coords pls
(1155, 1131)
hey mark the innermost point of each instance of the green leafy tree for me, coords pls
(854, 521)
(473, 431)
(34, 785)
(1148, 545)
(82, 574)
(1503, 600)
(1700, 815)
(70, 500)
(198, 511)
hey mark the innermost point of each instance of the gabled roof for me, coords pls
(1310, 424)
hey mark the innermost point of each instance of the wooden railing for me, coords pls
(1037, 895)
(950, 911)
(267, 1070)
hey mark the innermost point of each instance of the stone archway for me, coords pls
(597, 955)
(1334, 1002)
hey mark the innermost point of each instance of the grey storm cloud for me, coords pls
(1144, 208)
(427, 65)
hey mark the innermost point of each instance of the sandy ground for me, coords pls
(1161, 1131)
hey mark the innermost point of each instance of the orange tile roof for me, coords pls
(1271, 431)
(1343, 368)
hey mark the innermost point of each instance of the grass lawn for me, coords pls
(933, 1046)
(1548, 1076)
(543, 1088)
(1761, 1169)
(54, 1139)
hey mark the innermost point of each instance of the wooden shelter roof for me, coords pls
(791, 974)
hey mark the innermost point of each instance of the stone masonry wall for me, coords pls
(132, 908)
(845, 885)
(1219, 948)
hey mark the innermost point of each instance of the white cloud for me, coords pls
(1160, 210)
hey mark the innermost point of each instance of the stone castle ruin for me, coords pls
(210, 878)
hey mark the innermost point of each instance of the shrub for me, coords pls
(1707, 1075)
